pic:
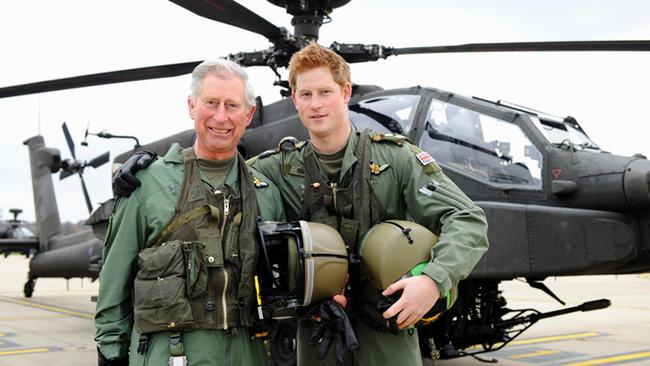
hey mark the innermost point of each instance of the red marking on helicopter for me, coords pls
(556, 173)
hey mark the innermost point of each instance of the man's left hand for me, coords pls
(419, 294)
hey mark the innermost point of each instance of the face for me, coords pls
(220, 117)
(322, 103)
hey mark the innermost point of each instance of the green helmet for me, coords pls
(301, 263)
(396, 249)
(393, 248)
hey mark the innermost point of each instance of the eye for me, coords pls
(305, 94)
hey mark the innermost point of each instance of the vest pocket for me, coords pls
(196, 269)
(160, 298)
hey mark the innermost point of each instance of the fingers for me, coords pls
(341, 299)
(399, 285)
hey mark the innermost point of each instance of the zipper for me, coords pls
(223, 299)
(333, 186)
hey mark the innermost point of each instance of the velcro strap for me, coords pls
(184, 219)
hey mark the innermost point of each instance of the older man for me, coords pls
(177, 282)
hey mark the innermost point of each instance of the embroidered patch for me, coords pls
(425, 158)
(258, 183)
(376, 168)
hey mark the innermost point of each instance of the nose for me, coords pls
(220, 114)
(315, 102)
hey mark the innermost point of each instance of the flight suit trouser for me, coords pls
(203, 348)
(375, 347)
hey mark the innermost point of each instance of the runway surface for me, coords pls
(55, 326)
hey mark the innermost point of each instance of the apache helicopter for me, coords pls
(54, 254)
(557, 205)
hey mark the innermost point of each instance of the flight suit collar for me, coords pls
(175, 156)
(349, 158)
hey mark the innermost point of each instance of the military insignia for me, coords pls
(376, 168)
(425, 158)
(258, 183)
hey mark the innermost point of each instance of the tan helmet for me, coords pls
(301, 263)
(392, 248)
(396, 249)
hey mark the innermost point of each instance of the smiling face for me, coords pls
(323, 106)
(220, 116)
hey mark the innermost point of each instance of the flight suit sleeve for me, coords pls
(434, 201)
(114, 310)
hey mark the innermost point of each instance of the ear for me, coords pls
(347, 92)
(190, 106)
(249, 117)
(293, 98)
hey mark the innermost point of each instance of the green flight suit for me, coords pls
(407, 188)
(137, 220)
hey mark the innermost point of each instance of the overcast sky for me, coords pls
(42, 40)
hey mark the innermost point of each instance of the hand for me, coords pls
(419, 294)
(340, 297)
(124, 181)
(102, 361)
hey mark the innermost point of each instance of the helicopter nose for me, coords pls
(636, 182)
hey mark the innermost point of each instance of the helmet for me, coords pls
(301, 263)
(397, 249)
(393, 248)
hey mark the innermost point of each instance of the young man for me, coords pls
(177, 284)
(352, 180)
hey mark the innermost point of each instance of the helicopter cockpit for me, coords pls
(486, 148)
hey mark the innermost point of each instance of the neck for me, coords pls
(333, 142)
(208, 155)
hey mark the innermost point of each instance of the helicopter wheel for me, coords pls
(28, 289)
(283, 344)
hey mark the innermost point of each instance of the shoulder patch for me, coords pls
(429, 164)
(392, 137)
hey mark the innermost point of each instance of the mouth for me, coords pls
(220, 131)
(318, 116)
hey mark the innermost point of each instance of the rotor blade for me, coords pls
(68, 139)
(86, 196)
(111, 77)
(65, 173)
(100, 160)
(639, 45)
(232, 13)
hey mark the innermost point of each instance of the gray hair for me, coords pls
(221, 67)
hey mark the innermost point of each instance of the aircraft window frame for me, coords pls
(492, 150)
(394, 113)
(571, 138)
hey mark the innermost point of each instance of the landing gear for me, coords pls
(28, 289)
(283, 343)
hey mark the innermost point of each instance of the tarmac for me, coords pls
(55, 326)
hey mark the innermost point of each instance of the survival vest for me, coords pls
(198, 271)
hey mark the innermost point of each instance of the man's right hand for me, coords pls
(124, 181)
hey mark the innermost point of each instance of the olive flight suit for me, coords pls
(136, 222)
(404, 183)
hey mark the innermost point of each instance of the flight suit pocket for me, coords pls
(231, 251)
(160, 299)
(196, 269)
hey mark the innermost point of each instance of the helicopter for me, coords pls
(53, 253)
(524, 167)
(16, 231)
